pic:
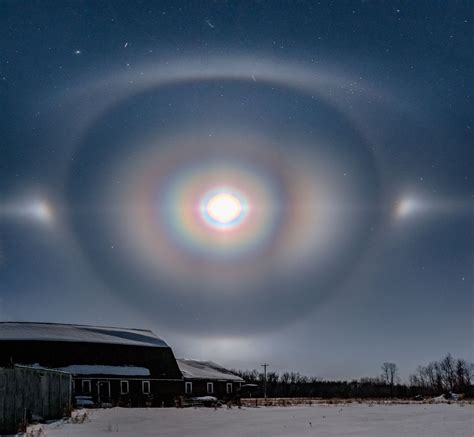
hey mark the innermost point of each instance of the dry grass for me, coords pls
(284, 402)
(79, 416)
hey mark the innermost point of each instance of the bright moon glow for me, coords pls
(408, 206)
(42, 211)
(224, 208)
(38, 210)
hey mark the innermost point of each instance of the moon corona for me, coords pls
(210, 199)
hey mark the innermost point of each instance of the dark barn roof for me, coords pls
(32, 331)
(194, 369)
(92, 351)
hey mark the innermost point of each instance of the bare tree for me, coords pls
(447, 365)
(390, 375)
(463, 378)
(448, 374)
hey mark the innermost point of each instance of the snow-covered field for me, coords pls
(430, 420)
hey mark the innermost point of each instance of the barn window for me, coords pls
(210, 388)
(188, 388)
(86, 386)
(146, 387)
(124, 389)
(229, 388)
(73, 385)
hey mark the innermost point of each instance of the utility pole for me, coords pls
(265, 365)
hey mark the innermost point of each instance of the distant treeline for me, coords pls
(438, 377)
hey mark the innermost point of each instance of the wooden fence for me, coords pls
(28, 393)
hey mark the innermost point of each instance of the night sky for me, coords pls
(288, 182)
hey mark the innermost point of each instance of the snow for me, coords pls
(193, 369)
(28, 331)
(86, 369)
(37, 366)
(205, 399)
(354, 420)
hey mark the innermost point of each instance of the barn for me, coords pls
(128, 367)
(206, 378)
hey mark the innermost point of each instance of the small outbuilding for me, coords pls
(206, 378)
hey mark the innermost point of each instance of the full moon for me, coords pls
(224, 208)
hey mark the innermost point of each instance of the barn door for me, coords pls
(103, 391)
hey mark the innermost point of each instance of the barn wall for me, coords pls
(27, 392)
(162, 393)
(220, 388)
